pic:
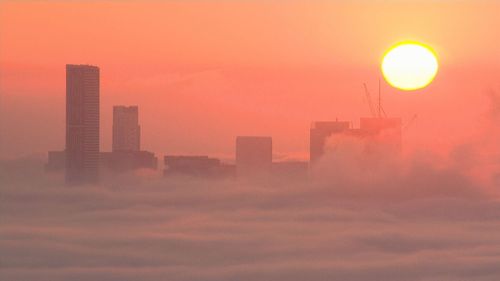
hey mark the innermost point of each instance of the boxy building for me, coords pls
(124, 161)
(320, 132)
(126, 129)
(82, 124)
(197, 166)
(56, 161)
(378, 135)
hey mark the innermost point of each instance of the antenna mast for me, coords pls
(381, 112)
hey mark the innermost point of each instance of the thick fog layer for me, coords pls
(417, 219)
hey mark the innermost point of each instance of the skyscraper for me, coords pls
(82, 123)
(254, 156)
(126, 129)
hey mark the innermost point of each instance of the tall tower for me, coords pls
(126, 129)
(82, 124)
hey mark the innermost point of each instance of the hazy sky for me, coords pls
(203, 72)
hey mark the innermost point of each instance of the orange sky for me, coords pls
(203, 72)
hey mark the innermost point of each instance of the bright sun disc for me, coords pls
(409, 66)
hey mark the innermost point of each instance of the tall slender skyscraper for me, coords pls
(126, 129)
(82, 123)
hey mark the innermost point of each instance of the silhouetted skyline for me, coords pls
(216, 140)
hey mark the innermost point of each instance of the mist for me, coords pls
(203, 73)
(412, 217)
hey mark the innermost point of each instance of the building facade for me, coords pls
(126, 129)
(82, 124)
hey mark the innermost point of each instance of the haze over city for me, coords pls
(272, 70)
(250, 140)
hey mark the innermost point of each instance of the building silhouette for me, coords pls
(124, 161)
(254, 156)
(126, 129)
(197, 166)
(116, 161)
(56, 161)
(126, 154)
(320, 132)
(378, 135)
(82, 123)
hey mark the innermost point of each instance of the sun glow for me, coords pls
(410, 66)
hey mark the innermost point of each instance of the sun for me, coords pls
(410, 66)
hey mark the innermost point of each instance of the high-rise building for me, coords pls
(126, 129)
(320, 132)
(254, 156)
(377, 135)
(82, 123)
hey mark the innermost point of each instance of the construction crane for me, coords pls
(369, 100)
(381, 112)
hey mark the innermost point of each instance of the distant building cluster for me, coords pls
(82, 161)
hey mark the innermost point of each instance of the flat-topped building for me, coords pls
(126, 129)
(320, 132)
(377, 134)
(196, 166)
(82, 124)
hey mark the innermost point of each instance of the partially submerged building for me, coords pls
(197, 166)
(377, 134)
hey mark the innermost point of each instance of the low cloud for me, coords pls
(410, 220)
